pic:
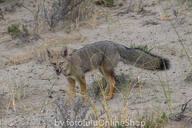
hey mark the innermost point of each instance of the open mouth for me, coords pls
(58, 72)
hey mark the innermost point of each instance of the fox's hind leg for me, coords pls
(82, 83)
(72, 89)
(103, 73)
(108, 74)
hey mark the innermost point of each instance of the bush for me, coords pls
(66, 10)
(107, 3)
(155, 121)
(1, 1)
(142, 47)
(14, 30)
(21, 32)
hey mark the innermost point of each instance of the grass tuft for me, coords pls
(14, 30)
(142, 47)
(155, 121)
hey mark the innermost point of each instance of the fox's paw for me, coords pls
(84, 104)
(109, 97)
(68, 102)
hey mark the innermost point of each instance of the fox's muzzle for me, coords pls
(58, 71)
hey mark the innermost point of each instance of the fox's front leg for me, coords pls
(82, 83)
(111, 87)
(71, 89)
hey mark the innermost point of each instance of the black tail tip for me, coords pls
(164, 64)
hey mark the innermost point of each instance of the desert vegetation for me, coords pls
(33, 96)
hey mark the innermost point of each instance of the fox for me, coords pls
(104, 56)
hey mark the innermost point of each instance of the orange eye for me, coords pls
(61, 63)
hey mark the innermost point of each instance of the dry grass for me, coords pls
(39, 53)
(63, 14)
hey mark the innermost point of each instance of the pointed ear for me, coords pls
(49, 54)
(64, 52)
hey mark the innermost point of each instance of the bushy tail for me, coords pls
(143, 59)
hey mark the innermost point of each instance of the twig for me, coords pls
(179, 116)
(184, 106)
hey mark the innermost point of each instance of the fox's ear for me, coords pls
(64, 52)
(49, 54)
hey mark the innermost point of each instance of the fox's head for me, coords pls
(59, 61)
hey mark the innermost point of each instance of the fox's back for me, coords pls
(96, 47)
(93, 55)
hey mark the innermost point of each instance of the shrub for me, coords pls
(1, 1)
(107, 3)
(142, 47)
(65, 10)
(155, 121)
(14, 30)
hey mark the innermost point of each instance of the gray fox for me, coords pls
(102, 55)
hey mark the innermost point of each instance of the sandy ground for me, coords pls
(25, 88)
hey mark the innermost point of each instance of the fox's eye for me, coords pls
(61, 63)
(53, 64)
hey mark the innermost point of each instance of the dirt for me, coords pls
(30, 88)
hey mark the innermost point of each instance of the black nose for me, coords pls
(58, 71)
